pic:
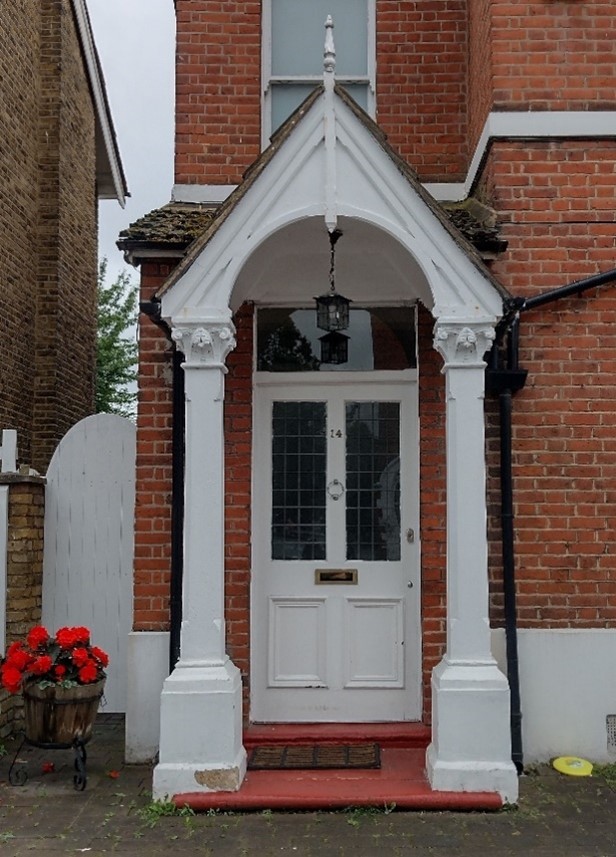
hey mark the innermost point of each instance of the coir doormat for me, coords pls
(314, 756)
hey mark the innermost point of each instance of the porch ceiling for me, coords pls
(292, 267)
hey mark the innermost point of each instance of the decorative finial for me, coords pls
(329, 55)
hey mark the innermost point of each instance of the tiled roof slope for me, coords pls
(176, 225)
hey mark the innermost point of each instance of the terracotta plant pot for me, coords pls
(61, 715)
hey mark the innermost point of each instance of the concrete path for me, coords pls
(558, 816)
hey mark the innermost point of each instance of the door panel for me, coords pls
(335, 605)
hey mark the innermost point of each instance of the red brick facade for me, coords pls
(441, 68)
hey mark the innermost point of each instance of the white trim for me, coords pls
(8, 451)
(4, 529)
(539, 124)
(103, 115)
(201, 193)
(543, 124)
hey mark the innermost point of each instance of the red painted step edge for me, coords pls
(436, 801)
(387, 734)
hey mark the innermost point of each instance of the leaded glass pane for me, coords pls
(373, 480)
(298, 480)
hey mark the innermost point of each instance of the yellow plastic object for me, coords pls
(573, 766)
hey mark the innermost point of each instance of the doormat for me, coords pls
(314, 756)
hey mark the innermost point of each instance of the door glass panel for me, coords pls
(373, 480)
(298, 480)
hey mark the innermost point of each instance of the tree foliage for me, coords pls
(116, 353)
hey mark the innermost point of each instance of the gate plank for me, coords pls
(88, 554)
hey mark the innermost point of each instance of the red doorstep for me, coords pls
(400, 783)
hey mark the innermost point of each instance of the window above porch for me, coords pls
(293, 55)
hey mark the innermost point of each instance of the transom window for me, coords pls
(293, 39)
(288, 340)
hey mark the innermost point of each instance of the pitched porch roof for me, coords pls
(330, 162)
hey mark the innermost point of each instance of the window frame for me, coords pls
(267, 78)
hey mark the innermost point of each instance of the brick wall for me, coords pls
(65, 327)
(421, 84)
(47, 227)
(433, 502)
(479, 68)
(421, 50)
(154, 465)
(218, 90)
(19, 62)
(238, 485)
(555, 200)
(554, 55)
(24, 573)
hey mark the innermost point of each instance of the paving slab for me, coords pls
(557, 816)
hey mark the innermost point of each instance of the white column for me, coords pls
(471, 745)
(201, 702)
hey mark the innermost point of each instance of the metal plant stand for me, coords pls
(59, 718)
(18, 774)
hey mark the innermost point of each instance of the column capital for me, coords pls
(205, 341)
(463, 343)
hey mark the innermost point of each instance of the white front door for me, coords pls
(335, 604)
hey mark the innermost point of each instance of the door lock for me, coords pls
(410, 535)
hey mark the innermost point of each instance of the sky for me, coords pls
(136, 43)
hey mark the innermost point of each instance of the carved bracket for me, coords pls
(463, 344)
(205, 343)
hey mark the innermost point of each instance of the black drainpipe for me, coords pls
(177, 511)
(505, 378)
(152, 310)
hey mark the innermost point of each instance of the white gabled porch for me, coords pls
(329, 168)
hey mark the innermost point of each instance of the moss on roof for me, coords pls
(175, 224)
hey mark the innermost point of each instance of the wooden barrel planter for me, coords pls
(61, 716)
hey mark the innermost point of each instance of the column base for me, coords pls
(471, 740)
(200, 731)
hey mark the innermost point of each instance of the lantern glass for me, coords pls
(334, 348)
(332, 311)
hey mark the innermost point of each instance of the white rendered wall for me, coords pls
(148, 667)
(567, 688)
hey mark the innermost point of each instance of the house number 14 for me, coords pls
(335, 432)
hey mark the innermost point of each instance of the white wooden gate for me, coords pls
(88, 554)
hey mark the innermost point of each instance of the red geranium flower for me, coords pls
(19, 659)
(40, 665)
(80, 656)
(101, 656)
(66, 638)
(37, 637)
(11, 678)
(82, 635)
(88, 673)
(67, 659)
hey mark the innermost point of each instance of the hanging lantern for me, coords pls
(332, 308)
(334, 347)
